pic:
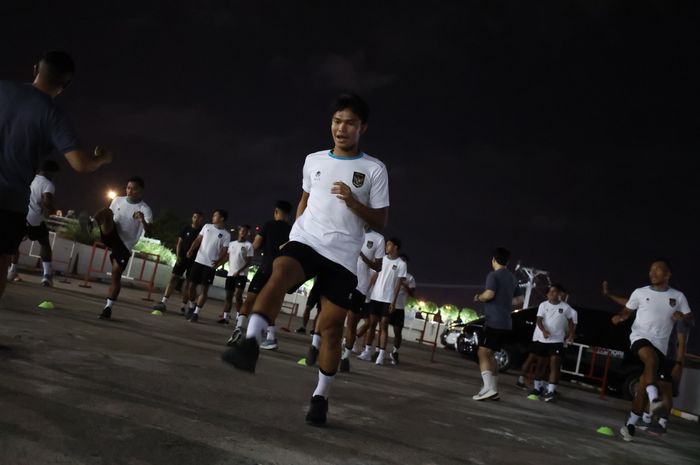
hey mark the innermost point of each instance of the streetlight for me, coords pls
(111, 194)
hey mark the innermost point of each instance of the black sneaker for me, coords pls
(235, 337)
(190, 312)
(222, 321)
(183, 310)
(312, 356)
(194, 318)
(301, 330)
(344, 365)
(394, 358)
(106, 313)
(549, 396)
(243, 355)
(316, 416)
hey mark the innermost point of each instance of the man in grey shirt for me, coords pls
(501, 295)
(31, 127)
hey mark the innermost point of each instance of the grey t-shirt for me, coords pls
(31, 127)
(499, 309)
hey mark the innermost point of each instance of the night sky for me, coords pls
(565, 131)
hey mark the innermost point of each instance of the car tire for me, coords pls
(503, 359)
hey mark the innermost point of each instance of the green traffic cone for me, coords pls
(606, 431)
(302, 362)
(46, 305)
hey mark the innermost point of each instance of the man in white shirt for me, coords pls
(396, 319)
(343, 189)
(373, 250)
(211, 248)
(240, 253)
(555, 324)
(41, 205)
(382, 303)
(126, 220)
(658, 307)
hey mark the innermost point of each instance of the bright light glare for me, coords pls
(111, 194)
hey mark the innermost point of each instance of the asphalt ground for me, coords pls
(144, 389)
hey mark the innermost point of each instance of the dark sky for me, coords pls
(566, 131)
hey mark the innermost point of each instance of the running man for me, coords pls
(658, 307)
(397, 319)
(183, 264)
(210, 249)
(41, 205)
(501, 295)
(385, 292)
(271, 237)
(126, 220)
(32, 126)
(343, 189)
(240, 254)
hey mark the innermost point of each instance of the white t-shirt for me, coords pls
(40, 186)
(555, 318)
(214, 241)
(129, 228)
(403, 293)
(654, 320)
(373, 248)
(238, 252)
(327, 224)
(392, 271)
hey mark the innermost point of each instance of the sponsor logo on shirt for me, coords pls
(672, 302)
(358, 179)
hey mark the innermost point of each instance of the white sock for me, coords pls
(663, 421)
(521, 379)
(376, 349)
(396, 349)
(381, 354)
(632, 419)
(271, 333)
(646, 417)
(346, 353)
(197, 309)
(191, 304)
(13, 268)
(110, 303)
(316, 340)
(256, 325)
(47, 267)
(551, 387)
(164, 300)
(487, 376)
(226, 314)
(652, 392)
(368, 348)
(324, 385)
(241, 321)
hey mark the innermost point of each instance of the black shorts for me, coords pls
(334, 281)
(12, 231)
(547, 349)
(358, 306)
(38, 233)
(397, 318)
(120, 253)
(379, 309)
(236, 282)
(259, 280)
(201, 274)
(495, 339)
(665, 366)
(314, 300)
(183, 266)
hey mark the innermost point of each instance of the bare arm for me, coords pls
(147, 227)
(376, 265)
(47, 205)
(80, 161)
(177, 247)
(485, 296)
(258, 242)
(615, 298)
(376, 218)
(540, 324)
(572, 332)
(194, 246)
(397, 288)
(622, 316)
(302, 203)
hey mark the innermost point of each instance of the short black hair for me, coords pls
(396, 241)
(222, 213)
(198, 212)
(352, 102)
(405, 257)
(59, 68)
(559, 287)
(501, 255)
(49, 166)
(245, 226)
(137, 180)
(283, 206)
(663, 260)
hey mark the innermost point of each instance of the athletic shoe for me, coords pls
(380, 360)
(222, 321)
(301, 330)
(522, 386)
(47, 280)
(640, 424)
(485, 394)
(344, 365)
(235, 337)
(159, 306)
(394, 356)
(534, 394)
(655, 406)
(549, 396)
(655, 429)
(194, 318)
(190, 312)
(242, 355)
(312, 356)
(627, 432)
(316, 416)
(183, 310)
(269, 344)
(106, 313)
(365, 355)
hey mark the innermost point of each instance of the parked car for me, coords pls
(594, 330)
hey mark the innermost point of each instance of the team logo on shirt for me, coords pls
(317, 176)
(220, 235)
(358, 179)
(394, 267)
(370, 244)
(561, 310)
(672, 302)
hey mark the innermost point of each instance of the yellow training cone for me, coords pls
(302, 362)
(606, 431)
(46, 305)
